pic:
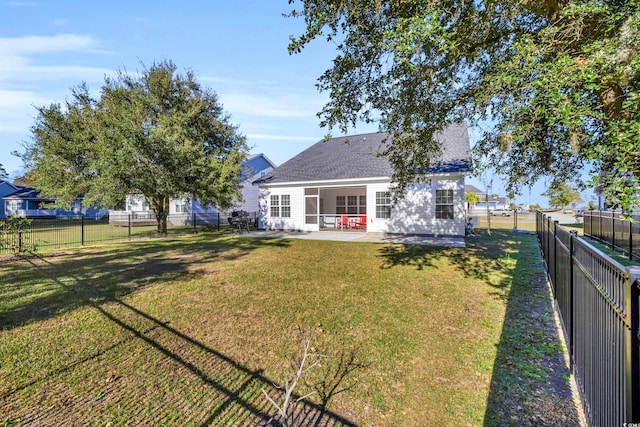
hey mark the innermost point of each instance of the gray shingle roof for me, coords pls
(353, 157)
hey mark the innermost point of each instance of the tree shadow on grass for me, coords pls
(29, 292)
(530, 378)
(529, 384)
(191, 383)
(488, 251)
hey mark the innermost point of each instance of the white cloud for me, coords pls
(17, 109)
(274, 104)
(22, 58)
(48, 44)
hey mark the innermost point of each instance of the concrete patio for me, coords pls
(355, 236)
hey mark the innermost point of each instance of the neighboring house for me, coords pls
(6, 189)
(26, 202)
(343, 183)
(495, 202)
(257, 165)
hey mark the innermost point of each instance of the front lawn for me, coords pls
(188, 330)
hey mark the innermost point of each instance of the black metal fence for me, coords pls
(598, 300)
(607, 227)
(37, 234)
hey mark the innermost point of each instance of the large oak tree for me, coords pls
(557, 79)
(159, 134)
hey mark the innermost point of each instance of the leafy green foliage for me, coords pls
(561, 194)
(159, 134)
(560, 81)
(13, 235)
(471, 199)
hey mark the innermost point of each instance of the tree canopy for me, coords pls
(159, 134)
(557, 80)
(561, 194)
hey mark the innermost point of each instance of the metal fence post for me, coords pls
(82, 230)
(630, 241)
(633, 352)
(613, 230)
(218, 221)
(129, 227)
(193, 214)
(572, 237)
(555, 257)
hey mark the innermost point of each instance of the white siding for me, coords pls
(251, 193)
(295, 222)
(414, 214)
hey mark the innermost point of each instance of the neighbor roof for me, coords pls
(26, 193)
(353, 157)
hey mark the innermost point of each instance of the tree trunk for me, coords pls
(160, 206)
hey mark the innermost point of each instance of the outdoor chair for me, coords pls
(360, 223)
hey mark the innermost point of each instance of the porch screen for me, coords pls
(311, 209)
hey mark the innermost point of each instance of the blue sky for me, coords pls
(238, 49)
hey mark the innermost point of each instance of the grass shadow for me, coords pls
(530, 380)
(28, 293)
(203, 385)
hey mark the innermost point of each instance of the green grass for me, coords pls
(187, 330)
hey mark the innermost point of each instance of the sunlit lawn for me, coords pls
(189, 329)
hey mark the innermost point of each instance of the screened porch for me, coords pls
(341, 208)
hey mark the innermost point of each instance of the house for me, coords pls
(256, 166)
(495, 201)
(342, 183)
(26, 202)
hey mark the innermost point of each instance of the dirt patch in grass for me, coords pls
(189, 330)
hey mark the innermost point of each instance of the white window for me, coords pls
(14, 205)
(383, 204)
(444, 204)
(352, 204)
(181, 206)
(363, 205)
(274, 210)
(285, 209)
(341, 206)
(280, 206)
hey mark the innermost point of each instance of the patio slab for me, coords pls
(351, 236)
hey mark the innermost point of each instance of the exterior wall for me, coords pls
(414, 214)
(6, 188)
(251, 193)
(295, 222)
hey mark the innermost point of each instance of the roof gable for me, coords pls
(7, 188)
(356, 157)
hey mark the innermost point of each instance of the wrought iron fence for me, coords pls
(598, 300)
(607, 227)
(37, 234)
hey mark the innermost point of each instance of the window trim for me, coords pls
(383, 204)
(274, 206)
(285, 206)
(444, 204)
(280, 206)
